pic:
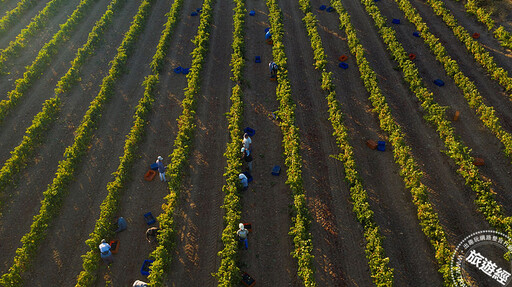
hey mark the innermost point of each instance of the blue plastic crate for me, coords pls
(185, 71)
(381, 145)
(150, 219)
(178, 70)
(276, 170)
(252, 13)
(416, 34)
(257, 59)
(322, 7)
(439, 82)
(395, 21)
(146, 267)
(329, 9)
(154, 166)
(343, 65)
(194, 14)
(249, 131)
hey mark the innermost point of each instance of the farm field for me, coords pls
(91, 95)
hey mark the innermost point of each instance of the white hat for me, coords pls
(160, 158)
(241, 225)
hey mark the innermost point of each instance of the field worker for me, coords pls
(244, 180)
(273, 69)
(247, 142)
(151, 234)
(106, 255)
(139, 283)
(242, 235)
(161, 168)
(247, 157)
(121, 224)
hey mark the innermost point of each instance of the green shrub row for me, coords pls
(484, 16)
(435, 114)
(409, 169)
(381, 273)
(108, 208)
(291, 144)
(468, 88)
(229, 272)
(54, 195)
(186, 126)
(36, 132)
(36, 24)
(43, 59)
(473, 46)
(14, 15)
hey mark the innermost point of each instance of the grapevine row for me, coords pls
(54, 195)
(456, 150)
(34, 135)
(163, 253)
(291, 144)
(472, 95)
(103, 228)
(14, 15)
(43, 58)
(474, 47)
(381, 273)
(484, 16)
(409, 168)
(229, 273)
(36, 24)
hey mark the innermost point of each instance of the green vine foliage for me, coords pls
(54, 195)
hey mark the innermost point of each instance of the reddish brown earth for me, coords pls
(337, 236)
